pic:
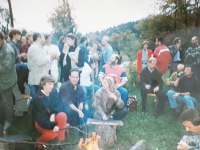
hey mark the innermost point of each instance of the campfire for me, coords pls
(91, 143)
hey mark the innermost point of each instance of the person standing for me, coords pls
(162, 55)
(143, 56)
(8, 78)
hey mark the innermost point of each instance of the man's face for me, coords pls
(48, 40)
(194, 42)
(157, 42)
(17, 37)
(178, 44)
(152, 65)
(74, 77)
(103, 42)
(188, 71)
(145, 46)
(189, 127)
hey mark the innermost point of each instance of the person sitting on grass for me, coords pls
(108, 103)
(47, 113)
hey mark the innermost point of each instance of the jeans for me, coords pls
(89, 88)
(124, 94)
(73, 118)
(120, 113)
(187, 100)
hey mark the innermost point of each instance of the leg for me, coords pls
(161, 103)
(7, 98)
(189, 101)
(72, 116)
(120, 113)
(47, 135)
(144, 93)
(172, 100)
(124, 94)
(61, 120)
(85, 93)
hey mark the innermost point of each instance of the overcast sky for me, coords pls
(90, 15)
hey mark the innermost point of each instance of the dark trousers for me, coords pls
(120, 113)
(73, 118)
(7, 101)
(2, 119)
(160, 95)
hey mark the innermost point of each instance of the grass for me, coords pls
(162, 133)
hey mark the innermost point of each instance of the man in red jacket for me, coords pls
(162, 54)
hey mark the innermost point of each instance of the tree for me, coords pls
(11, 14)
(62, 20)
(4, 20)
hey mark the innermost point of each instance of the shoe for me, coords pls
(6, 125)
(61, 147)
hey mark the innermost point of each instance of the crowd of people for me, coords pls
(66, 82)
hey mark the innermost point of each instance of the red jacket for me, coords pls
(139, 59)
(162, 54)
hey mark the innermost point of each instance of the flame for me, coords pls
(91, 143)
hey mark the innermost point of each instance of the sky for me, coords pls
(90, 15)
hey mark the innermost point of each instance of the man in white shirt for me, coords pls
(51, 49)
(85, 81)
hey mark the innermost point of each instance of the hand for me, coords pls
(156, 89)
(55, 129)
(176, 95)
(80, 106)
(104, 117)
(182, 146)
(117, 85)
(22, 55)
(80, 113)
(52, 56)
(25, 96)
(148, 86)
(52, 118)
(86, 106)
(112, 95)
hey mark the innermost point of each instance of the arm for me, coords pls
(8, 63)
(118, 101)
(101, 75)
(171, 80)
(123, 80)
(98, 104)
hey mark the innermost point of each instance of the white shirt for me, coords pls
(52, 49)
(85, 75)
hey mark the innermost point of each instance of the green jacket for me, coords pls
(8, 76)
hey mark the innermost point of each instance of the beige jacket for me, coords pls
(104, 105)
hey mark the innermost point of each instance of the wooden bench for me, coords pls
(106, 129)
(8, 142)
(153, 95)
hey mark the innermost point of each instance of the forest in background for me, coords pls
(177, 18)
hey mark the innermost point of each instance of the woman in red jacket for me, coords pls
(143, 56)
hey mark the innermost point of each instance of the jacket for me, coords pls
(139, 59)
(8, 75)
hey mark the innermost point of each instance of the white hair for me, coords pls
(106, 38)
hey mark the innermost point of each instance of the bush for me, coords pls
(131, 71)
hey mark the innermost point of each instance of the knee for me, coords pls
(124, 111)
(61, 116)
(50, 136)
(170, 93)
(187, 98)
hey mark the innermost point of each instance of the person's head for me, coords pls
(38, 38)
(114, 60)
(61, 40)
(74, 76)
(189, 70)
(71, 40)
(159, 41)
(145, 45)
(194, 41)
(152, 63)
(48, 38)
(29, 38)
(191, 120)
(15, 35)
(177, 42)
(23, 39)
(180, 68)
(109, 84)
(95, 45)
(1, 38)
(47, 83)
(84, 40)
(105, 40)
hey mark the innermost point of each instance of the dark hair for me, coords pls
(61, 40)
(13, 32)
(73, 70)
(1, 35)
(83, 38)
(160, 39)
(47, 36)
(192, 68)
(191, 115)
(36, 35)
(72, 36)
(118, 59)
(98, 46)
(176, 40)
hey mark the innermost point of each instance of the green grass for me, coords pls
(162, 133)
